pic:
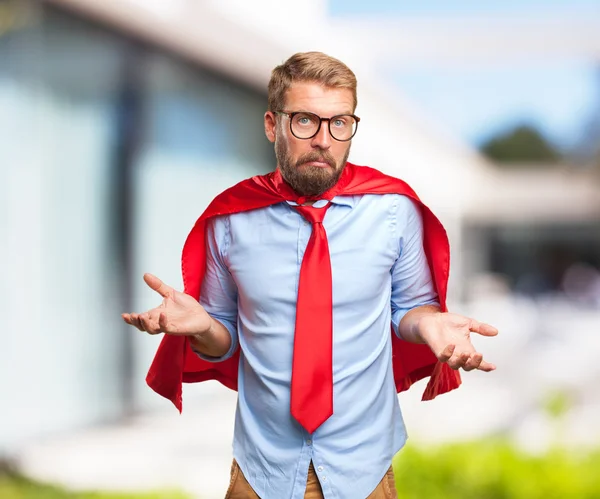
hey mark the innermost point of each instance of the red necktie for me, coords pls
(312, 364)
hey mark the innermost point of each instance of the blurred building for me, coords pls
(531, 224)
(120, 120)
(111, 146)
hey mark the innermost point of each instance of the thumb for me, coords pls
(482, 328)
(157, 285)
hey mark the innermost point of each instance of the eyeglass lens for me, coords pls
(305, 125)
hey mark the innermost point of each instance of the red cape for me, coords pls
(175, 363)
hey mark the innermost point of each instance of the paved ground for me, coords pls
(190, 452)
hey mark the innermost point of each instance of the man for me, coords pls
(300, 274)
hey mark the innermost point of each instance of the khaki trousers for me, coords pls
(239, 488)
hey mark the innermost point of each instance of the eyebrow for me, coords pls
(349, 113)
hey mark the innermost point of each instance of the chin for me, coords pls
(316, 168)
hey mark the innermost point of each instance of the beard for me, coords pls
(309, 180)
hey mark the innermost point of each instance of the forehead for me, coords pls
(319, 99)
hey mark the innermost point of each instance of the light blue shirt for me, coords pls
(379, 273)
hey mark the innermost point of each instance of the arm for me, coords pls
(218, 296)
(415, 313)
(214, 343)
(413, 290)
(409, 326)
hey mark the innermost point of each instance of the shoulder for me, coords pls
(397, 203)
(407, 206)
(218, 229)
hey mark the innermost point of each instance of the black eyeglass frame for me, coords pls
(291, 114)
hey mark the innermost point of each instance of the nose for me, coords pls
(322, 139)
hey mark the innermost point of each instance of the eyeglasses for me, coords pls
(304, 125)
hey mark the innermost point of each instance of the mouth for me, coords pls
(318, 164)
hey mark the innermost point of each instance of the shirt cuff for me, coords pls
(399, 313)
(230, 326)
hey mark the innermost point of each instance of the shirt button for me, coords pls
(320, 468)
(324, 478)
(309, 442)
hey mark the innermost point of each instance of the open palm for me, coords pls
(178, 314)
(449, 337)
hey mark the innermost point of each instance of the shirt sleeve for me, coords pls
(412, 285)
(218, 294)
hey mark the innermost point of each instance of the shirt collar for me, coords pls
(349, 201)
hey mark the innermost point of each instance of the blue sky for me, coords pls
(458, 7)
(558, 96)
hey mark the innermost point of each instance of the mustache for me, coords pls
(322, 157)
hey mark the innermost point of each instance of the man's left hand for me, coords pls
(449, 337)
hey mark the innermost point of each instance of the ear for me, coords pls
(270, 126)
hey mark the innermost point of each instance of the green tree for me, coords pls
(521, 144)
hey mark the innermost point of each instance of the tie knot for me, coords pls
(312, 214)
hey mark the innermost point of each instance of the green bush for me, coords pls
(494, 470)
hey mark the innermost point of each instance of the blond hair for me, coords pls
(309, 67)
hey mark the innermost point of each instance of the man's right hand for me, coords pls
(178, 314)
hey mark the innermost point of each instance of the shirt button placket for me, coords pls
(320, 470)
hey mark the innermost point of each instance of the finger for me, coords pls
(162, 321)
(474, 361)
(165, 325)
(482, 328)
(129, 320)
(486, 366)
(459, 360)
(157, 285)
(135, 320)
(150, 326)
(446, 353)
